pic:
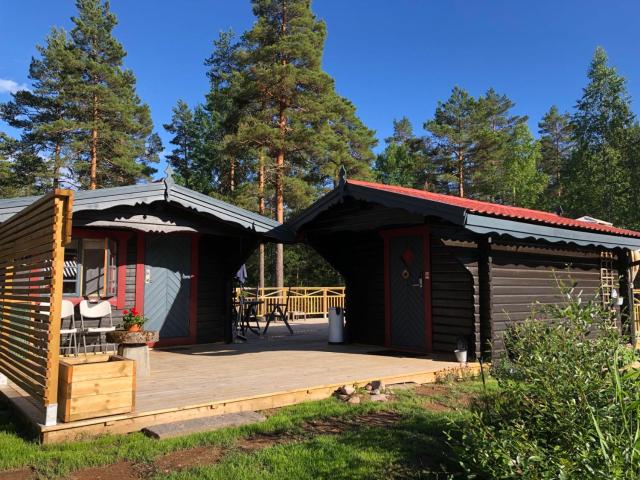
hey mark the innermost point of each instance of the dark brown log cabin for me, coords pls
(424, 271)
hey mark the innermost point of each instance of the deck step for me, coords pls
(205, 424)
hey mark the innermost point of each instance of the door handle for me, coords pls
(419, 284)
(147, 275)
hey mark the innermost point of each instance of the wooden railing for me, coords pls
(31, 265)
(312, 301)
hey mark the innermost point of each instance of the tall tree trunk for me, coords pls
(232, 175)
(261, 212)
(282, 125)
(56, 166)
(280, 216)
(460, 175)
(93, 182)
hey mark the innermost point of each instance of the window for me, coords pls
(70, 279)
(91, 268)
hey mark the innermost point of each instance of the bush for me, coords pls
(568, 403)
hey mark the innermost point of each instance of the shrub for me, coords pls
(568, 403)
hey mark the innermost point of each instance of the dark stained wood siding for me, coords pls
(525, 274)
(454, 289)
(220, 259)
(365, 291)
(359, 257)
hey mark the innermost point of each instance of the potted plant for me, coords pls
(461, 350)
(132, 320)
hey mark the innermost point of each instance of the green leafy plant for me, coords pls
(568, 402)
(132, 318)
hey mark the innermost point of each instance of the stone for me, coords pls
(375, 391)
(379, 398)
(402, 386)
(206, 424)
(378, 385)
(343, 397)
(348, 390)
(354, 400)
(368, 387)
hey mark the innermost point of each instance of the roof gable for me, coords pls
(167, 191)
(478, 216)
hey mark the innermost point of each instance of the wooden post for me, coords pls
(325, 303)
(484, 290)
(55, 304)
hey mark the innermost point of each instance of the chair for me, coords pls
(100, 311)
(280, 312)
(68, 311)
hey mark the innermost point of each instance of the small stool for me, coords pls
(133, 345)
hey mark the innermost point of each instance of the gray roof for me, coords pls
(164, 191)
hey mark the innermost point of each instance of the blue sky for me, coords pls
(391, 58)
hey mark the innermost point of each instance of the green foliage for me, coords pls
(563, 409)
(415, 446)
(82, 107)
(405, 160)
(287, 104)
(556, 145)
(519, 180)
(602, 165)
(42, 114)
(107, 110)
(455, 130)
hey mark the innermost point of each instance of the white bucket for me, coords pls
(461, 355)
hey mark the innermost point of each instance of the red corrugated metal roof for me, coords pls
(496, 210)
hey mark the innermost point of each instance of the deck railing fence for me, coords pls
(31, 266)
(312, 301)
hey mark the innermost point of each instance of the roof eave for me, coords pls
(487, 225)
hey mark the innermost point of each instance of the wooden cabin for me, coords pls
(167, 250)
(424, 270)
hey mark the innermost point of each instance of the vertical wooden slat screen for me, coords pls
(31, 271)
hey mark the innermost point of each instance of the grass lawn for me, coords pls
(403, 438)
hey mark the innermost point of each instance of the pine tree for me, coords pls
(22, 170)
(405, 159)
(183, 130)
(497, 131)
(521, 180)
(42, 113)
(114, 125)
(288, 107)
(599, 171)
(556, 143)
(455, 131)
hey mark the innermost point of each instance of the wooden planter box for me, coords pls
(95, 386)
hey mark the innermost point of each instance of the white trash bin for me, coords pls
(336, 325)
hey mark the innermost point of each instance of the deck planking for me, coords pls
(265, 372)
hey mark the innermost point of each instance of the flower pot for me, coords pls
(461, 356)
(134, 328)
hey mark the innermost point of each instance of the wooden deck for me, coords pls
(212, 379)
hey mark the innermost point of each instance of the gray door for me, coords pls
(167, 284)
(406, 271)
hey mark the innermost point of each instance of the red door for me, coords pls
(408, 289)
